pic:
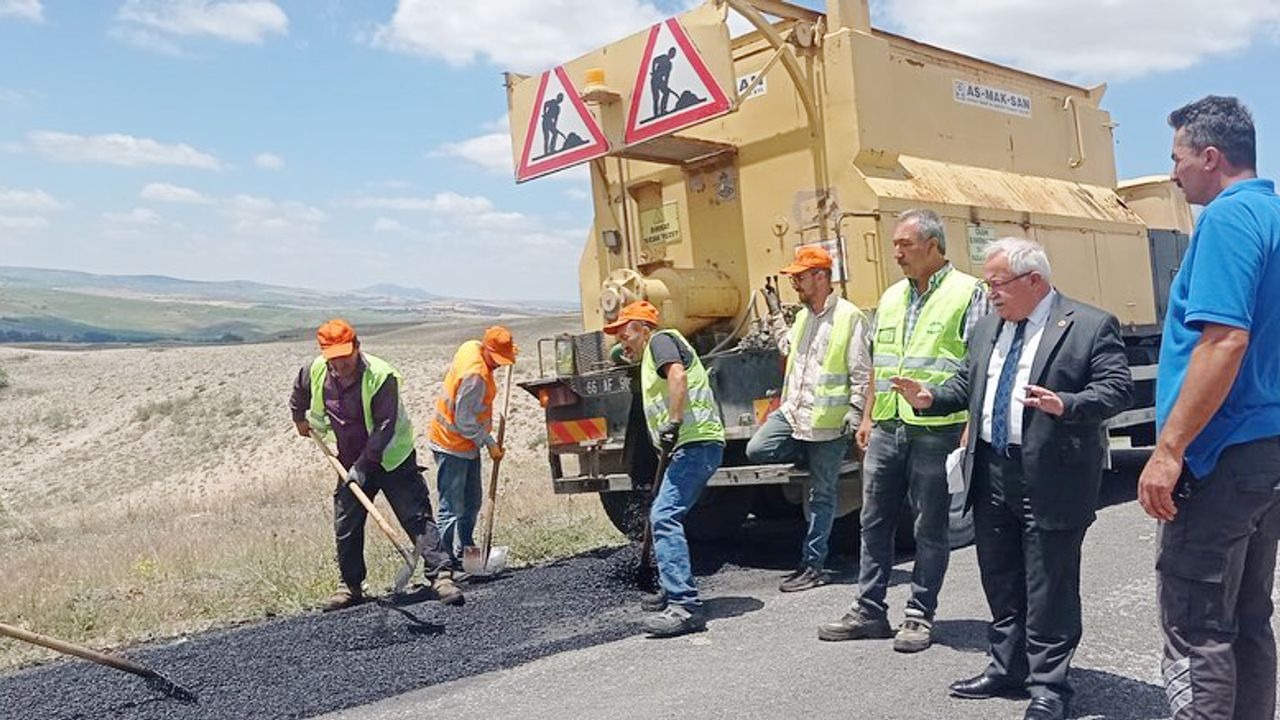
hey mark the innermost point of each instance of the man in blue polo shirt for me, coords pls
(1213, 479)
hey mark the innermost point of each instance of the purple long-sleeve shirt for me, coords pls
(345, 409)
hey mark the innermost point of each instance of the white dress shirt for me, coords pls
(1030, 343)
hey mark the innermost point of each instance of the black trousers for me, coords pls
(1031, 577)
(408, 496)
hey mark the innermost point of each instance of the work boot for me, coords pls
(856, 625)
(807, 579)
(675, 620)
(344, 597)
(654, 602)
(448, 592)
(914, 635)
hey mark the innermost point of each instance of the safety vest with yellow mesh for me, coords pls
(376, 372)
(702, 418)
(444, 434)
(832, 393)
(934, 352)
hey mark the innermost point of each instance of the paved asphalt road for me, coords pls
(760, 657)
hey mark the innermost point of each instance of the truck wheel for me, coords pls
(626, 510)
(719, 513)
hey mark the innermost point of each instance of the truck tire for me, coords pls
(717, 516)
(626, 510)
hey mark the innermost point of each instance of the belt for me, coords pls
(1012, 452)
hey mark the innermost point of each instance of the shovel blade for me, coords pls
(473, 562)
(402, 578)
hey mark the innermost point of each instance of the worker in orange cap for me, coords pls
(356, 396)
(462, 424)
(828, 364)
(684, 425)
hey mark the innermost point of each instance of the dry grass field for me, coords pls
(152, 492)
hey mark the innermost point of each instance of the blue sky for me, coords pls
(335, 144)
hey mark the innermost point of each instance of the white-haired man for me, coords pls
(1045, 373)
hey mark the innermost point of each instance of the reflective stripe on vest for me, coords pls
(831, 395)
(934, 352)
(702, 418)
(443, 433)
(376, 372)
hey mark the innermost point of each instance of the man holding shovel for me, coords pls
(462, 424)
(357, 396)
(684, 424)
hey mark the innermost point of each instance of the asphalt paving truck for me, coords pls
(713, 156)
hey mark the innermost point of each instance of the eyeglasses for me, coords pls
(990, 286)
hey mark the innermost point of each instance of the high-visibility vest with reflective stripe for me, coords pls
(934, 353)
(832, 393)
(376, 372)
(469, 360)
(701, 419)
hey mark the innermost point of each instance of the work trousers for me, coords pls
(458, 482)
(687, 473)
(906, 462)
(407, 494)
(1031, 577)
(773, 443)
(1215, 569)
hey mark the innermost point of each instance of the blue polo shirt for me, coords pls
(1229, 276)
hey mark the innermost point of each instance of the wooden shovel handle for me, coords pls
(67, 648)
(364, 499)
(487, 542)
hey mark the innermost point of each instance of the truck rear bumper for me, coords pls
(738, 476)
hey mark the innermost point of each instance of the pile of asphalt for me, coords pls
(305, 666)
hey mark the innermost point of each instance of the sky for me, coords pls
(337, 144)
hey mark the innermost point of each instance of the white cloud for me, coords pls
(147, 40)
(259, 215)
(9, 222)
(240, 21)
(448, 203)
(34, 200)
(523, 35)
(12, 97)
(491, 151)
(576, 194)
(164, 192)
(22, 9)
(118, 149)
(1088, 40)
(387, 225)
(268, 161)
(137, 216)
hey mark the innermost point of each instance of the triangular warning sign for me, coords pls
(674, 88)
(562, 132)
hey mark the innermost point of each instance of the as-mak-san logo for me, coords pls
(674, 88)
(562, 131)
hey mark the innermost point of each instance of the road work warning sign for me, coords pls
(562, 132)
(674, 88)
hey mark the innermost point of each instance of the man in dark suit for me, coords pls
(1043, 375)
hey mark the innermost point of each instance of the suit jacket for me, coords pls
(1081, 358)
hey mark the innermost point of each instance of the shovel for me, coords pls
(486, 559)
(154, 680)
(410, 555)
(646, 574)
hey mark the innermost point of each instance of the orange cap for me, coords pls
(638, 310)
(497, 340)
(808, 257)
(337, 339)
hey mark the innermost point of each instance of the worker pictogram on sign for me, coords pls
(562, 132)
(674, 88)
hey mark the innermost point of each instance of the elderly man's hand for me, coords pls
(496, 452)
(1044, 399)
(915, 393)
(357, 476)
(304, 428)
(668, 435)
